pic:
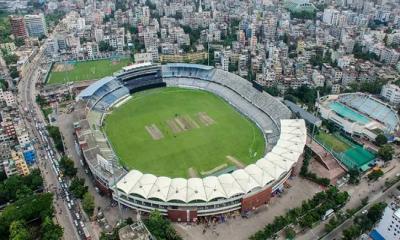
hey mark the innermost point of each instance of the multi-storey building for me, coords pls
(389, 225)
(18, 28)
(36, 25)
(391, 93)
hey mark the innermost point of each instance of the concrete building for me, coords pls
(18, 28)
(36, 25)
(391, 93)
(389, 226)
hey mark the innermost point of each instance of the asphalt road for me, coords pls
(26, 100)
(379, 197)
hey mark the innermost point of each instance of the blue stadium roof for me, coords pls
(92, 88)
(204, 67)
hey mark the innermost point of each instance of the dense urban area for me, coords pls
(319, 78)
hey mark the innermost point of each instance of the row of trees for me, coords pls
(55, 134)
(307, 214)
(77, 186)
(17, 187)
(29, 212)
(365, 222)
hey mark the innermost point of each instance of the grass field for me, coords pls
(89, 70)
(332, 141)
(201, 148)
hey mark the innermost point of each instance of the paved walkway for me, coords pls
(240, 228)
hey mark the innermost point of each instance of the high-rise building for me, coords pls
(389, 225)
(391, 93)
(18, 28)
(36, 25)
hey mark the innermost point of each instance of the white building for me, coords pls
(7, 97)
(389, 226)
(318, 79)
(98, 34)
(331, 16)
(143, 57)
(391, 93)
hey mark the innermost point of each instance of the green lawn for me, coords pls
(332, 141)
(89, 70)
(202, 148)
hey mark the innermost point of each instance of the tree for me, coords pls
(274, 90)
(55, 134)
(386, 152)
(374, 175)
(14, 72)
(10, 59)
(67, 166)
(304, 14)
(160, 227)
(104, 46)
(19, 41)
(50, 230)
(375, 212)
(88, 203)
(78, 187)
(381, 140)
(26, 209)
(41, 101)
(290, 233)
(354, 176)
(18, 231)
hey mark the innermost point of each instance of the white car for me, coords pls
(77, 216)
(81, 223)
(76, 223)
(69, 206)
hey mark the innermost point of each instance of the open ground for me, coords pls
(88, 70)
(199, 130)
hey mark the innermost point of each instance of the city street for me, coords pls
(365, 189)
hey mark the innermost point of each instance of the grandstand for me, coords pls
(185, 199)
(359, 114)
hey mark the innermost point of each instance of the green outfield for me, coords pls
(88, 70)
(182, 133)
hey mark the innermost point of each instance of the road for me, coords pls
(68, 213)
(380, 197)
(365, 189)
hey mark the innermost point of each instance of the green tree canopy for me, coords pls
(381, 140)
(160, 227)
(18, 231)
(67, 166)
(386, 152)
(88, 203)
(78, 187)
(50, 230)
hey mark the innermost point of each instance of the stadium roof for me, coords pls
(92, 88)
(191, 65)
(276, 163)
(303, 113)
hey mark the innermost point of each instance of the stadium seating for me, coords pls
(371, 107)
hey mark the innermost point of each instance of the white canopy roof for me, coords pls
(269, 168)
(160, 188)
(177, 189)
(195, 190)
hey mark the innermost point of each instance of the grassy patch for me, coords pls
(202, 148)
(89, 70)
(331, 141)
